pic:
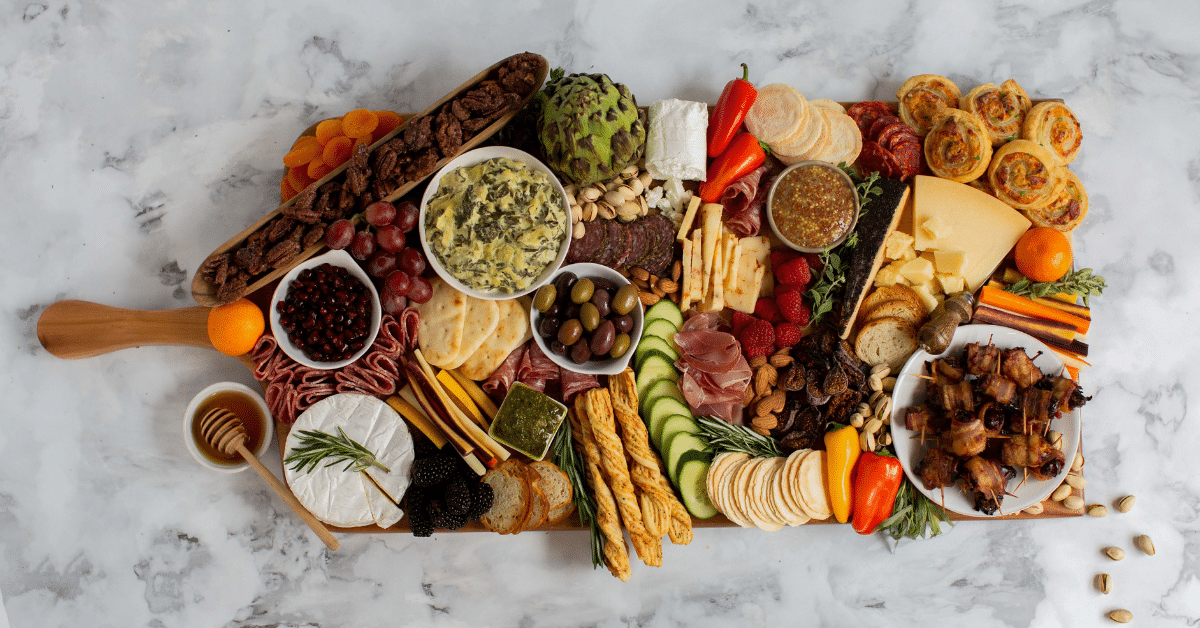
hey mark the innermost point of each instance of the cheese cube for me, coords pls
(950, 262)
(926, 297)
(888, 275)
(909, 253)
(896, 243)
(917, 271)
(951, 284)
(935, 228)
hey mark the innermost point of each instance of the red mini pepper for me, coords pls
(744, 154)
(731, 109)
(875, 487)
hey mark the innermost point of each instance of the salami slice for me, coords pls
(871, 159)
(887, 133)
(879, 124)
(909, 158)
(584, 249)
(625, 249)
(865, 113)
(639, 241)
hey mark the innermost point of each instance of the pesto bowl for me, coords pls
(477, 156)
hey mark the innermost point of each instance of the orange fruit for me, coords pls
(1043, 254)
(235, 328)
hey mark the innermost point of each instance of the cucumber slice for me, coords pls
(658, 426)
(653, 344)
(661, 388)
(654, 369)
(660, 329)
(676, 446)
(665, 406)
(693, 488)
(675, 425)
(664, 310)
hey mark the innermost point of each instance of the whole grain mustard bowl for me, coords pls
(812, 206)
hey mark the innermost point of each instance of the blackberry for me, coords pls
(433, 470)
(423, 447)
(420, 512)
(481, 500)
(449, 521)
(457, 497)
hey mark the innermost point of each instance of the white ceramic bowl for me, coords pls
(470, 158)
(771, 202)
(910, 391)
(335, 258)
(611, 366)
(200, 398)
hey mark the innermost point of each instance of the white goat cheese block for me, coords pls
(677, 142)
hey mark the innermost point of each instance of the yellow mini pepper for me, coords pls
(841, 453)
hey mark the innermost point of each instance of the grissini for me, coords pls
(616, 554)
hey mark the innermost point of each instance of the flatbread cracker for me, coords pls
(482, 319)
(440, 330)
(512, 330)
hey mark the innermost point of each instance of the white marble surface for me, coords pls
(137, 136)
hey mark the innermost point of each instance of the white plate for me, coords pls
(470, 158)
(910, 391)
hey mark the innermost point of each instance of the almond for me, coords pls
(648, 298)
(657, 289)
(780, 360)
(757, 361)
(666, 285)
(638, 272)
(748, 396)
(762, 387)
(766, 422)
(773, 402)
(676, 271)
(760, 431)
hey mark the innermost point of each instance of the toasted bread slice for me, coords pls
(541, 506)
(883, 294)
(889, 340)
(900, 308)
(512, 502)
(557, 487)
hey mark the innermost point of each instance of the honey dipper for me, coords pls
(224, 432)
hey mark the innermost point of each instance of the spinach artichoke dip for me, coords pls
(496, 225)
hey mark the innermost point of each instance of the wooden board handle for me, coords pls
(81, 329)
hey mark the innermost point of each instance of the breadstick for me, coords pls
(612, 459)
(616, 555)
(646, 470)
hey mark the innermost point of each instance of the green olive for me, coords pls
(582, 290)
(619, 346)
(625, 299)
(570, 332)
(545, 297)
(589, 316)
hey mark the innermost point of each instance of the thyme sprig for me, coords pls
(913, 514)
(317, 446)
(1080, 283)
(565, 457)
(725, 437)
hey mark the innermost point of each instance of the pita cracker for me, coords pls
(440, 330)
(482, 319)
(511, 331)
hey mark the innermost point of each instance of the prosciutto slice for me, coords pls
(536, 370)
(744, 200)
(714, 373)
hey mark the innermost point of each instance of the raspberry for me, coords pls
(758, 338)
(783, 288)
(793, 308)
(814, 263)
(740, 320)
(786, 334)
(779, 257)
(767, 310)
(794, 271)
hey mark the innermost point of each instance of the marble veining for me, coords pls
(136, 136)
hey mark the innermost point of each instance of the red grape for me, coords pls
(391, 303)
(390, 238)
(398, 282)
(406, 216)
(420, 291)
(381, 264)
(339, 234)
(412, 262)
(380, 213)
(362, 246)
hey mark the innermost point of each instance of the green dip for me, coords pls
(527, 421)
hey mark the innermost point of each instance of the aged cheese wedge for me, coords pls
(689, 217)
(710, 230)
(973, 222)
(343, 498)
(733, 251)
(697, 273)
(744, 294)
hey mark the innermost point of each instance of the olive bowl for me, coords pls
(608, 366)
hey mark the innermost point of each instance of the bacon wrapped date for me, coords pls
(987, 479)
(939, 469)
(966, 436)
(982, 358)
(1033, 452)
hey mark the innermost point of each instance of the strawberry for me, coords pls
(779, 257)
(758, 338)
(794, 272)
(793, 308)
(786, 334)
(740, 320)
(767, 310)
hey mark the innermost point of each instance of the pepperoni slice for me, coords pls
(871, 159)
(887, 133)
(865, 113)
(909, 157)
(878, 125)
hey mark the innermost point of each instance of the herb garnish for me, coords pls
(823, 294)
(913, 514)
(725, 437)
(1079, 283)
(316, 446)
(564, 456)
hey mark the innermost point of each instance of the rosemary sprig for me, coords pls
(564, 456)
(725, 437)
(1079, 283)
(316, 446)
(913, 514)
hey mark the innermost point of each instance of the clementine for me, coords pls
(1043, 254)
(235, 328)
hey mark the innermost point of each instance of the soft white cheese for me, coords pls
(676, 143)
(345, 498)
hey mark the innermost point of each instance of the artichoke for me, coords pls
(590, 128)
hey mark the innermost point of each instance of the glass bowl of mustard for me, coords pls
(812, 206)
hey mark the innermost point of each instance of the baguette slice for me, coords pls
(512, 503)
(883, 294)
(889, 340)
(539, 508)
(557, 487)
(901, 308)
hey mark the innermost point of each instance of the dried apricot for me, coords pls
(299, 178)
(318, 168)
(285, 190)
(302, 154)
(337, 151)
(328, 129)
(359, 123)
(362, 140)
(388, 121)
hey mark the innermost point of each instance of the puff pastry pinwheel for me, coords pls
(1002, 109)
(921, 96)
(958, 146)
(1025, 175)
(1054, 126)
(1066, 210)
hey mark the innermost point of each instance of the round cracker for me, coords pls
(790, 515)
(845, 140)
(759, 489)
(718, 478)
(770, 491)
(790, 472)
(813, 480)
(825, 103)
(730, 492)
(778, 112)
(739, 495)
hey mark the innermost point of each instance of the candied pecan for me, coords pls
(520, 73)
(248, 256)
(216, 269)
(357, 178)
(232, 290)
(305, 199)
(307, 216)
(364, 199)
(282, 253)
(449, 133)
(396, 144)
(278, 229)
(475, 124)
(458, 110)
(259, 237)
(359, 159)
(484, 98)
(381, 188)
(314, 235)
(418, 135)
(423, 166)
(346, 199)
(325, 204)
(384, 161)
(297, 234)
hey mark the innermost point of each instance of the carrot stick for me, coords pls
(1002, 300)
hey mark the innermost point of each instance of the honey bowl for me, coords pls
(243, 401)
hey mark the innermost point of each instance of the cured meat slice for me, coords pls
(887, 133)
(574, 383)
(865, 113)
(536, 370)
(744, 200)
(585, 248)
(624, 249)
(503, 377)
(909, 158)
(871, 159)
(714, 371)
(879, 124)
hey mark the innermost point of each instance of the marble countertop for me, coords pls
(137, 136)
